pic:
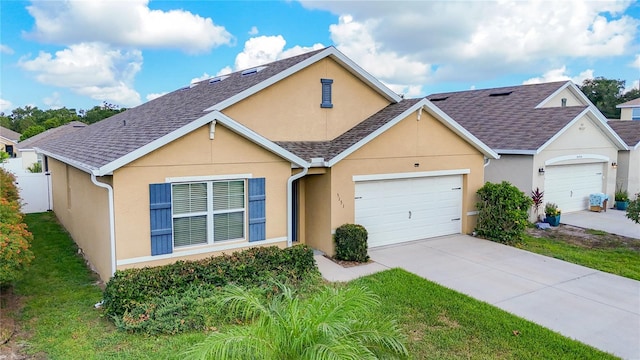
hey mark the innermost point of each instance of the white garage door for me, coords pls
(395, 211)
(569, 186)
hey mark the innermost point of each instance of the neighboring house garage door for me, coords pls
(395, 211)
(569, 186)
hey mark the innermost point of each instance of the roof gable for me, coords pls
(630, 104)
(629, 131)
(9, 134)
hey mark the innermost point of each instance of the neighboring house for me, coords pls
(549, 136)
(277, 154)
(26, 148)
(628, 165)
(630, 110)
(8, 141)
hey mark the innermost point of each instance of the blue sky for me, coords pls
(80, 54)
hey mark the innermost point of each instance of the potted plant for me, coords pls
(552, 214)
(622, 199)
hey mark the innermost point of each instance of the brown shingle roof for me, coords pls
(51, 134)
(628, 130)
(506, 118)
(110, 139)
(9, 134)
(330, 149)
(631, 103)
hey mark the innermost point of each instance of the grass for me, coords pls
(59, 293)
(618, 260)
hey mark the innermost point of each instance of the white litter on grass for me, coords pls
(543, 226)
(98, 305)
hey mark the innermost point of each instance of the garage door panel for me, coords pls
(569, 186)
(401, 210)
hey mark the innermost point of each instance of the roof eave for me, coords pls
(516, 152)
(76, 164)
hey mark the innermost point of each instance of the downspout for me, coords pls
(293, 178)
(487, 161)
(112, 227)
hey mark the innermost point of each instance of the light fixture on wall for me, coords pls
(614, 165)
(541, 171)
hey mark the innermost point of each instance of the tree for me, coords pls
(32, 130)
(330, 324)
(605, 94)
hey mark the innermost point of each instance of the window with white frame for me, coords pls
(635, 114)
(208, 212)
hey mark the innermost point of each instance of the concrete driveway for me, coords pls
(596, 308)
(612, 221)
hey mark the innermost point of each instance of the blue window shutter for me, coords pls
(257, 210)
(326, 93)
(160, 210)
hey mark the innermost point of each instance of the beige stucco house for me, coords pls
(26, 149)
(630, 110)
(549, 136)
(8, 141)
(628, 165)
(279, 154)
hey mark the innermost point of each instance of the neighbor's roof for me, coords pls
(510, 119)
(630, 104)
(9, 134)
(628, 130)
(50, 134)
(117, 140)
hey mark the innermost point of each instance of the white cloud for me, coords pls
(264, 49)
(254, 31)
(204, 76)
(53, 101)
(155, 95)
(560, 74)
(636, 62)
(224, 71)
(476, 39)
(90, 69)
(5, 105)
(635, 85)
(124, 23)
(4, 49)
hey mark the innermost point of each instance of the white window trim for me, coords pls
(207, 178)
(210, 214)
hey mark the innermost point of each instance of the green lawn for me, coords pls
(59, 294)
(614, 259)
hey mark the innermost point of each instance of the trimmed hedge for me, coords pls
(502, 212)
(252, 267)
(351, 243)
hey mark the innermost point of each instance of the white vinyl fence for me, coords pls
(34, 188)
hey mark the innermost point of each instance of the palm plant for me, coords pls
(330, 324)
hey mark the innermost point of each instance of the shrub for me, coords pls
(15, 239)
(252, 267)
(351, 243)
(551, 209)
(537, 197)
(35, 168)
(633, 210)
(502, 212)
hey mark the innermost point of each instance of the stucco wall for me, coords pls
(572, 100)
(628, 171)
(290, 109)
(626, 113)
(426, 142)
(583, 142)
(317, 212)
(516, 169)
(28, 158)
(194, 155)
(83, 209)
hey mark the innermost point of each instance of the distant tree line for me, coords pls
(605, 94)
(30, 120)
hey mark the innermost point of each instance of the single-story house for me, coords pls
(278, 154)
(630, 110)
(549, 136)
(8, 141)
(628, 164)
(26, 148)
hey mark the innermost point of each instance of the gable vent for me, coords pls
(439, 99)
(253, 71)
(506, 93)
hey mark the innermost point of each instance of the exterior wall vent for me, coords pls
(563, 101)
(326, 93)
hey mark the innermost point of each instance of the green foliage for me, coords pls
(621, 195)
(351, 243)
(551, 209)
(32, 130)
(98, 113)
(35, 168)
(605, 94)
(633, 210)
(502, 212)
(3, 156)
(15, 239)
(333, 323)
(129, 288)
(537, 197)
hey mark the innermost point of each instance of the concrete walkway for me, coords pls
(596, 308)
(612, 221)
